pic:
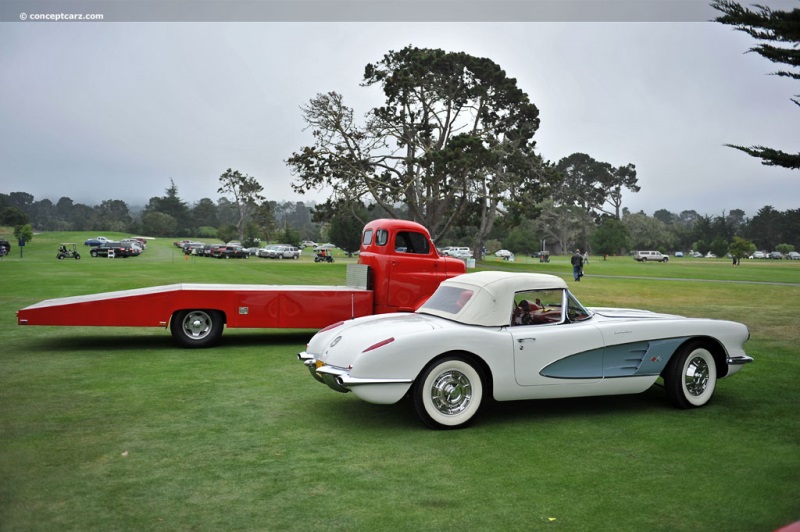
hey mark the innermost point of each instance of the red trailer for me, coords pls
(398, 269)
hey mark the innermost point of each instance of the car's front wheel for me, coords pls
(690, 378)
(197, 328)
(448, 393)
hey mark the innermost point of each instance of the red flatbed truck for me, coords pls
(398, 269)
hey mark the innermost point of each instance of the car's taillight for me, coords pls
(379, 344)
(329, 327)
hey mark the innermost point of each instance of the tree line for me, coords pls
(163, 216)
(559, 227)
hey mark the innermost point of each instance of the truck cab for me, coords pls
(405, 268)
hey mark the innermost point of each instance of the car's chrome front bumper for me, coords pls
(739, 360)
(736, 363)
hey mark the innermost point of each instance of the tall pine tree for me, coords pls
(779, 33)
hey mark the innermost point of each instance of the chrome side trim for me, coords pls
(348, 381)
(739, 360)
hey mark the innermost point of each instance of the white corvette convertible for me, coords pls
(520, 336)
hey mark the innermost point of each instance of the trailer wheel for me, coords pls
(196, 328)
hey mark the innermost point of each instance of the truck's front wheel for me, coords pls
(197, 328)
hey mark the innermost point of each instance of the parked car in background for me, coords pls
(758, 255)
(217, 250)
(233, 252)
(459, 252)
(710, 255)
(444, 251)
(194, 248)
(96, 241)
(267, 251)
(775, 255)
(119, 249)
(133, 243)
(644, 256)
(285, 251)
(504, 253)
(142, 240)
(307, 244)
(793, 255)
(679, 253)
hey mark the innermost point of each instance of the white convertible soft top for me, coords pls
(492, 296)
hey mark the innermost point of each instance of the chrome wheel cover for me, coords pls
(451, 392)
(695, 376)
(196, 325)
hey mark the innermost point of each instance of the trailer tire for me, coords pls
(197, 327)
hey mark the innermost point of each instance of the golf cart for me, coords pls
(68, 251)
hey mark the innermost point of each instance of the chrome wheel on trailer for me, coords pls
(197, 328)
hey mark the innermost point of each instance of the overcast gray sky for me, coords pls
(114, 110)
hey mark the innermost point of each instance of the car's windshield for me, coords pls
(576, 311)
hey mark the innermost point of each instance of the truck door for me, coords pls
(415, 269)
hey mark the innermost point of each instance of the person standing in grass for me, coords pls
(577, 265)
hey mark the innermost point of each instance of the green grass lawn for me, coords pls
(117, 429)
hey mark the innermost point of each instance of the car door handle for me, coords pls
(522, 341)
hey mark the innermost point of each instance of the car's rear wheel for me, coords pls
(197, 328)
(690, 378)
(448, 393)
